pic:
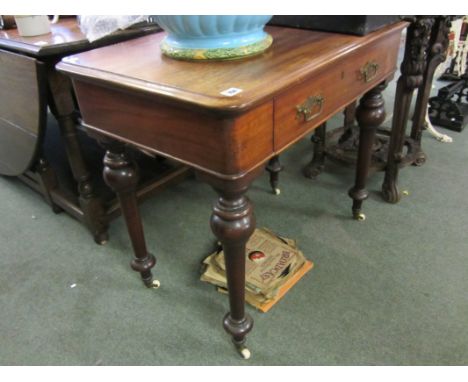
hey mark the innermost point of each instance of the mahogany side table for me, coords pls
(227, 119)
(29, 84)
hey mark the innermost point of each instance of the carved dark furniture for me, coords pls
(426, 46)
(29, 84)
(169, 108)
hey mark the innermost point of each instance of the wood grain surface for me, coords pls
(294, 55)
(66, 37)
(22, 111)
(132, 93)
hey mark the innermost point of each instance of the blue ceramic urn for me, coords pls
(214, 37)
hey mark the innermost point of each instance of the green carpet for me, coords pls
(388, 291)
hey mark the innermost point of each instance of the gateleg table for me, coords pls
(29, 85)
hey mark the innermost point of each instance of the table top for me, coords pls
(139, 65)
(65, 38)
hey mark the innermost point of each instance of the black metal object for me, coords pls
(356, 25)
(450, 107)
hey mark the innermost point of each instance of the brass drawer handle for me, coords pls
(369, 71)
(311, 104)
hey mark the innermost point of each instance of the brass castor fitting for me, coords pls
(360, 216)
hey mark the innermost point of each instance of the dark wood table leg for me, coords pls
(121, 175)
(317, 164)
(47, 180)
(274, 167)
(233, 222)
(62, 105)
(369, 114)
(411, 78)
(436, 54)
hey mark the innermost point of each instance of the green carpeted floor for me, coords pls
(388, 291)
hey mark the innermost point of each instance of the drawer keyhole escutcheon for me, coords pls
(311, 108)
(369, 71)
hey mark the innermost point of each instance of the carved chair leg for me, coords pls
(121, 175)
(274, 167)
(233, 222)
(370, 114)
(317, 164)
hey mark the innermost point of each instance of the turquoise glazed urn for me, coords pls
(213, 37)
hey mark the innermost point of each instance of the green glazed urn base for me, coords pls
(217, 53)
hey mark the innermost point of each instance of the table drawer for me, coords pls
(302, 108)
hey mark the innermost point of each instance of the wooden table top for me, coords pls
(139, 65)
(65, 38)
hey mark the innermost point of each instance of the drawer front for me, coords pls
(304, 107)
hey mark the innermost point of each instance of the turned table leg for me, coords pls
(62, 106)
(412, 67)
(233, 222)
(316, 165)
(121, 174)
(274, 167)
(370, 114)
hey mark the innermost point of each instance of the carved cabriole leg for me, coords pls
(62, 106)
(121, 175)
(316, 165)
(274, 167)
(437, 53)
(370, 114)
(411, 78)
(233, 222)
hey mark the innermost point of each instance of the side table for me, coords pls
(182, 110)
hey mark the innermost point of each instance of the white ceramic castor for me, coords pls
(155, 284)
(244, 351)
